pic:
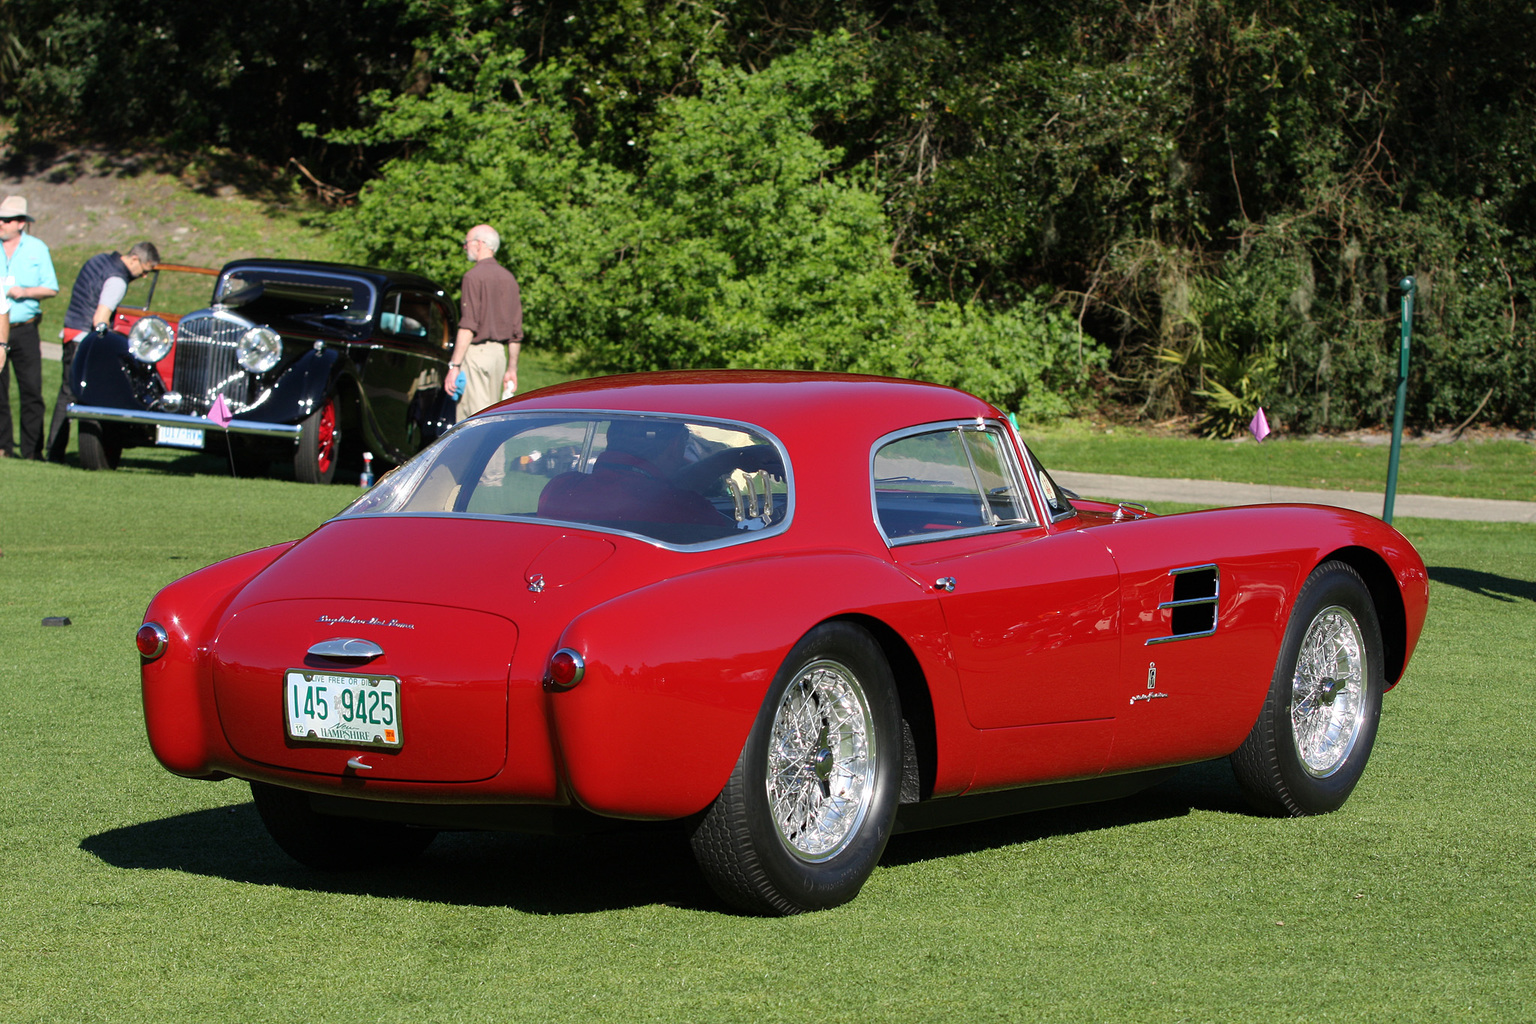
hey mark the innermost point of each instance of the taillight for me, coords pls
(566, 668)
(151, 640)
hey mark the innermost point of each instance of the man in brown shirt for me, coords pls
(490, 326)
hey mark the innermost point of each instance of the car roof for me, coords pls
(381, 279)
(783, 401)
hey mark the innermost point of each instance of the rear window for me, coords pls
(668, 479)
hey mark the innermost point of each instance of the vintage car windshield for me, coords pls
(280, 296)
(669, 479)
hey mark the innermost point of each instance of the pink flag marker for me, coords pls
(221, 415)
(1259, 425)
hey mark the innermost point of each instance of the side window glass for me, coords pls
(405, 315)
(946, 481)
(1005, 499)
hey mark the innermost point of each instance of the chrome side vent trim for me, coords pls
(1196, 596)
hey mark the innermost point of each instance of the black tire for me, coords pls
(332, 843)
(1315, 732)
(319, 450)
(98, 448)
(832, 722)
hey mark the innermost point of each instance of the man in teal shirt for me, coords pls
(26, 278)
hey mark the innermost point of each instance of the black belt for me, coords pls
(491, 341)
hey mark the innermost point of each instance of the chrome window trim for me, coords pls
(1030, 467)
(973, 425)
(1214, 600)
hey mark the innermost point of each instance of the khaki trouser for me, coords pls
(484, 366)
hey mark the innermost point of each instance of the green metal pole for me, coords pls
(1408, 286)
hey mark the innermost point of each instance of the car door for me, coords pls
(1033, 610)
(402, 362)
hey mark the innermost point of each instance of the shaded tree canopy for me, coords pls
(1201, 205)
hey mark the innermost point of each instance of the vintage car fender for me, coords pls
(179, 711)
(676, 673)
(301, 388)
(104, 373)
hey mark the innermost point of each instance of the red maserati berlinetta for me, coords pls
(792, 613)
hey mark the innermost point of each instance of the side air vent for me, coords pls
(1196, 592)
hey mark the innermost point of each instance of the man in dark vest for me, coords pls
(100, 287)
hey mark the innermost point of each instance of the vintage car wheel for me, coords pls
(97, 448)
(1318, 723)
(332, 843)
(809, 807)
(319, 441)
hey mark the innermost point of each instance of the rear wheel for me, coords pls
(319, 439)
(807, 811)
(332, 843)
(98, 448)
(1318, 723)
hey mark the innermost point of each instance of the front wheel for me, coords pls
(1314, 734)
(332, 843)
(812, 800)
(319, 442)
(98, 449)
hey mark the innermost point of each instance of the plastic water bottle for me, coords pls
(366, 480)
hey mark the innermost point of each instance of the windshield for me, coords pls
(316, 301)
(668, 479)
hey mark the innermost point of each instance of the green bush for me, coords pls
(738, 241)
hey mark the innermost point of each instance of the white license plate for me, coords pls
(323, 707)
(179, 437)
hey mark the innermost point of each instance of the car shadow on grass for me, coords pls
(1484, 584)
(536, 874)
(540, 874)
(1207, 786)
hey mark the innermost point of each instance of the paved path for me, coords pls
(1210, 492)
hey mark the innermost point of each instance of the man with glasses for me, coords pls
(26, 278)
(490, 326)
(100, 286)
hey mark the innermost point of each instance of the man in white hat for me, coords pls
(26, 278)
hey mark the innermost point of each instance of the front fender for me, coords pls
(179, 711)
(103, 373)
(301, 388)
(676, 672)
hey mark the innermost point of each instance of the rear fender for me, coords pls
(179, 711)
(676, 672)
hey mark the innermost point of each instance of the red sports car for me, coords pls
(793, 613)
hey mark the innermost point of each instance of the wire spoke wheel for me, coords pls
(1314, 734)
(805, 815)
(821, 761)
(1328, 692)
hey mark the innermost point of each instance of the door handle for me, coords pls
(945, 583)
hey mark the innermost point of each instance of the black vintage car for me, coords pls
(304, 355)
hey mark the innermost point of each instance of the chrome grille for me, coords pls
(206, 366)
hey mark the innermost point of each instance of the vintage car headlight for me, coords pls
(150, 339)
(259, 349)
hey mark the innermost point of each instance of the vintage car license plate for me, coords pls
(178, 437)
(324, 707)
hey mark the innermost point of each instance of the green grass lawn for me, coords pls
(128, 894)
(1463, 469)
